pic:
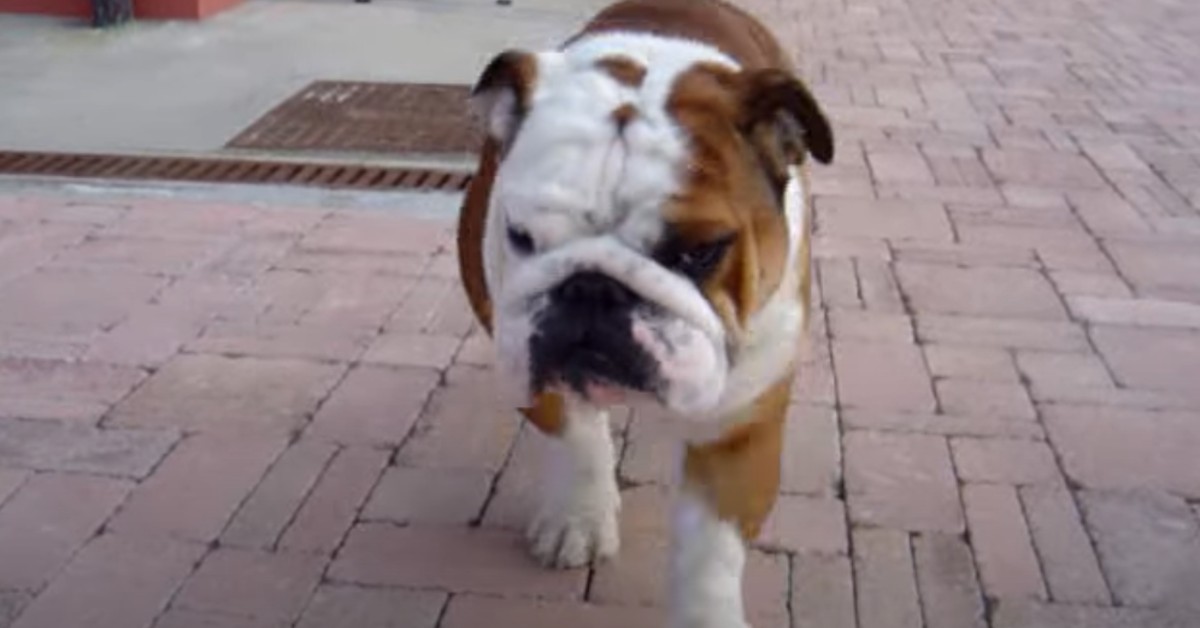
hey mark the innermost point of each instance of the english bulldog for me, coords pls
(637, 232)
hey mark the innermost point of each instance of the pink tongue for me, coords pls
(605, 394)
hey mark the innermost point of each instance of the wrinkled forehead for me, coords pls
(598, 150)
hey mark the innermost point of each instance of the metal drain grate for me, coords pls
(220, 170)
(352, 116)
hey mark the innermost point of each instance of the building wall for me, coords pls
(142, 9)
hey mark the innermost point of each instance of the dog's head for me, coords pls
(637, 229)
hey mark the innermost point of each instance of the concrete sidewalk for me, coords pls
(187, 87)
(263, 415)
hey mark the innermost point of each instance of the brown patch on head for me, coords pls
(623, 115)
(623, 70)
(726, 191)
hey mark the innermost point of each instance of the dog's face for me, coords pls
(636, 225)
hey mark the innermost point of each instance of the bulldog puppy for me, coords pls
(638, 232)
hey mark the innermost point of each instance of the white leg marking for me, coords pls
(577, 519)
(707, 560)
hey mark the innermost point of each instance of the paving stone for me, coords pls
(328, 342)
(1027, 614)
(198, 487)
(334, 503)
(822, 592)
(1152, 359)
(72, 391)
(47, 520)
(970, 363)
(882, 376)
(1042, 168)
(765, 590)
(901, 481)
(1157, 264)
(374, 405)
(462, 427)
(472, 560)
(878, 286)
(182, 618)
(886, 586)
(74, 302)
(352, 607)
(900, 166)
(1004, 461)
(151, 255)
(434, 306)
(515, 497)
(1149, 544)
(638, 574)
(469, 611)
(421, 350)
(1000, 332)
(805, 525)
(989, 399)
(941, 424)
(1008, 565)
(262, 518)
(211, 393)
(974, 254)
(272, 586)
(477, 350)
(870, 325)
(366, 231)
(897, 220)
(430, 496)
(1091, 284)
(1068, 561)
(838, 281)
(981, 291)
(11, 605)
(950, 595)
(114, 581)
(10, 481)
(51, 446)
(1127, 448)
(812, 452)
(1050, 373)
(1139, 312)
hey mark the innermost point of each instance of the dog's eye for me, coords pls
(520, 241)
(698, 261)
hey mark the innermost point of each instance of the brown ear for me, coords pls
(779, 100)
(504, 92)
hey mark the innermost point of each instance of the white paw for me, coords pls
(577, 532)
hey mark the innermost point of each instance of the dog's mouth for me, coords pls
(583, 341)
(600, 371)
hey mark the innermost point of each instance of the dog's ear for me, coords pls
(503, 93)
(778, 109)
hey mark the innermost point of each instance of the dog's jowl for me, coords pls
(638, 233)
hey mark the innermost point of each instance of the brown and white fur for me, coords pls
(663, 127)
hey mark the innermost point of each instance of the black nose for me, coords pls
(593, 288)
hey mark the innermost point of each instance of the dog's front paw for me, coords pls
(574, 533)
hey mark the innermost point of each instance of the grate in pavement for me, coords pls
(221, 170)
(348, 116)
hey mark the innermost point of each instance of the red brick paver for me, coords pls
(222, 415)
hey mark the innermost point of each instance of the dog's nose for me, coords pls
(593, 288)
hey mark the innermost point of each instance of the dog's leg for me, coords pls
(576, 521)
(729, 488)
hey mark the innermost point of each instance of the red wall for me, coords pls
(142, 9)
(47, 7)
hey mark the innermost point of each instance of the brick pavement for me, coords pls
(261, 417)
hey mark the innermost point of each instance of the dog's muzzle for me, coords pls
(584, 340)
